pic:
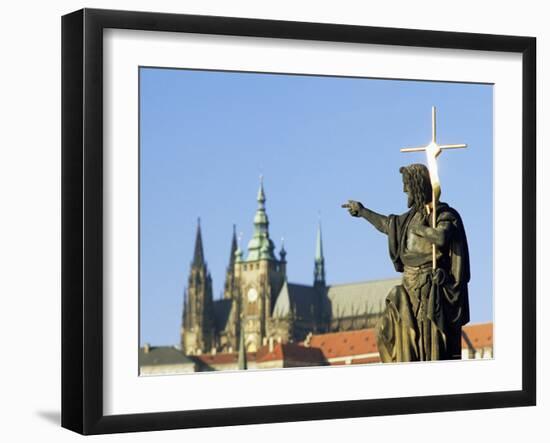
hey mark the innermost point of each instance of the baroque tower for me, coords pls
(197, 335)
(260, 278)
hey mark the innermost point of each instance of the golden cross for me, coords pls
(433, 150)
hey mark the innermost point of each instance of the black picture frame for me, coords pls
(82, 218)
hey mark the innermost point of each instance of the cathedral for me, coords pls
(260, 307)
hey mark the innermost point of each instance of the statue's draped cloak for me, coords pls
(424, 315)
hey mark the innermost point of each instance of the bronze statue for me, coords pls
(423, 317)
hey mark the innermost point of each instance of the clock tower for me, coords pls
(260, 277)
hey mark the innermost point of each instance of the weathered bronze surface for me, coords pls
(423, 317)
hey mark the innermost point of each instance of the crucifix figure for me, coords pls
(424, 315)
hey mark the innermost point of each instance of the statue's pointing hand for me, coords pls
(354, 207)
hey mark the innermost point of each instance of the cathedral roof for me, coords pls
(295, 299)
(353, 299)
(338, 301)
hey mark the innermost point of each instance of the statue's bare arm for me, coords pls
(356, 209)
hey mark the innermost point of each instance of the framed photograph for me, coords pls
(269, 221)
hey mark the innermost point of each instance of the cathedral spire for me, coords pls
(197, 334)
(229, 288)
(319, 269)
(260, 246)
(233, 247)
(198, 256)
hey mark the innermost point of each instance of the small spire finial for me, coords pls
(261, 193)
(282, 252)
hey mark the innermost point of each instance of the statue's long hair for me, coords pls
(417, 178)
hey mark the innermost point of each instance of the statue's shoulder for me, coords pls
(448, 213)
(400, 218)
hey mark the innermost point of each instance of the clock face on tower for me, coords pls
(252, 295)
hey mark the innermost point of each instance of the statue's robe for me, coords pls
(423, 316)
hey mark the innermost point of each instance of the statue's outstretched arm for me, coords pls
(379, 221)
(357, 209)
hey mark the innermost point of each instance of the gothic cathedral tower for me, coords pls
(260, 278)
(197, 335)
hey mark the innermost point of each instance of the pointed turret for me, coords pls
(230, 287)
(319, 269)
(282, 252)
(260, 246)
(198, 256)
(239, 252)
(261, 193)
(233, 247)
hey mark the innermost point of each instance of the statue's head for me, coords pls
(417, 185)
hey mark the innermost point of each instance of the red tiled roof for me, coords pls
(480, 335)
(220, 359)
(348, 343)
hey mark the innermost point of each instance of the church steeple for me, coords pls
(198, 326)
(198, 256)
(319, 269)
(229, 288)
(233, 248)
(260, 246)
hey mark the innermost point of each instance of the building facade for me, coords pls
(261, 307)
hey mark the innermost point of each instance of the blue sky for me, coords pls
(205, 137)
